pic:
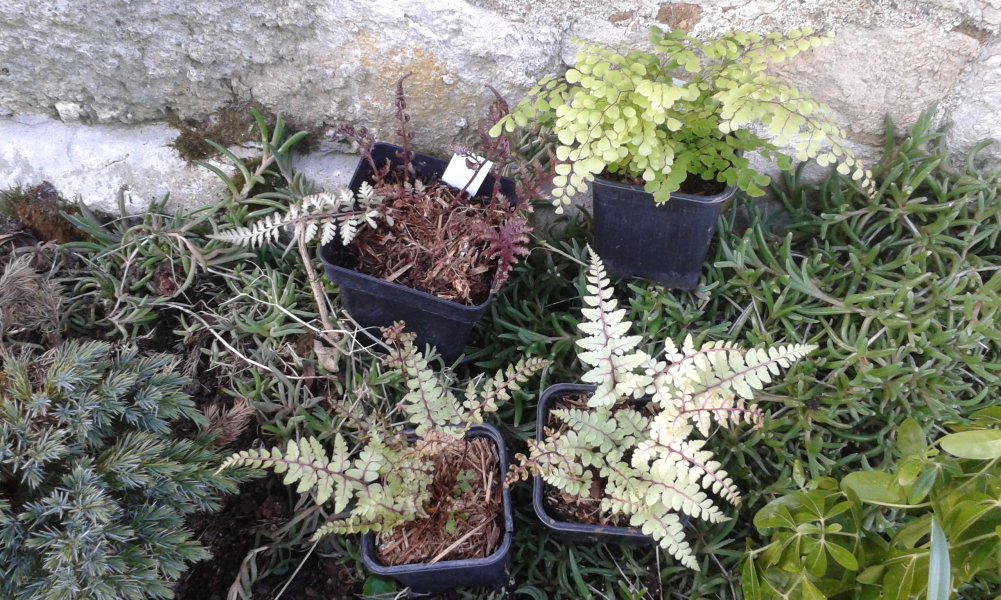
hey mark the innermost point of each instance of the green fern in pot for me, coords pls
(687, 108)
(677, 123)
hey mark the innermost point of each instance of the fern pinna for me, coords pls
(386, 482)
(652, 467)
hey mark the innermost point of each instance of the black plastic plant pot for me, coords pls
(665, 243)
(491, 571)
(565, 530)
(375, 303)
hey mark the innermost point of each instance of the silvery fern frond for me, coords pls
(610, 353)
(324, 216)
(635, 434)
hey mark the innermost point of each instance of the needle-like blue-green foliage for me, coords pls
(387, 481)
(688, 107)
(94, 486)
(652, 468)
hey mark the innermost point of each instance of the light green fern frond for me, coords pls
(610, 353)
(561, 463)
(499, 387)
(382, 487)
(691, 462)
(306, 462)
(712, 384)
(428, 404)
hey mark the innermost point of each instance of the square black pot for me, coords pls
(375, 303)
(491, 571)
(667, 243)
(567, 530)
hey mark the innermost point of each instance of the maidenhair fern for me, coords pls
(386, 482)
(325, 216)
(629, 114)
(652, 468)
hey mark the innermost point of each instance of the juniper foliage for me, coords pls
(94, 486)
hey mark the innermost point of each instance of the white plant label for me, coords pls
(459, 175)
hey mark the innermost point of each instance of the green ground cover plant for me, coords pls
(899, 292)
(922, 528)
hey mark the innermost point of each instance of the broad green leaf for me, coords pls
(378, 586)
(991, 414)
(939, 569)
(775, 514)
(837, 509)
(872, 575)
(842, 556)
(810, 591)
(898, 583)
(874, 487)
(964, 515)
(749, 579)
(984, 444)
(922, 486)
(910, 438)
(816, 559)
(911, 534)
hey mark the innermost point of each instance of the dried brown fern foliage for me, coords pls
(437, 239)
(228, 423)
(29, 302)
(440, 244)
(39, 209)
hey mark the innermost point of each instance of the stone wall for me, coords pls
(91, 91)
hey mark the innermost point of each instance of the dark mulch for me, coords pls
(439, 243)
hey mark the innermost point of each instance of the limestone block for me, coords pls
(867, 73)
(977, 112)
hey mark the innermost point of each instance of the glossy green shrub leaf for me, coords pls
(910, 438)
(843, 556)
(978, 445)
(874, 487)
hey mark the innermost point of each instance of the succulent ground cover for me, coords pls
(899, 291)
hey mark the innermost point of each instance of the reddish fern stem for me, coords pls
(402, 117)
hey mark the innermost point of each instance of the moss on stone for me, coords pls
(231, 125)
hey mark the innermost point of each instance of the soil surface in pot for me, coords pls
(439, 242)
(569, 508)
(693, 185)
(465, 516)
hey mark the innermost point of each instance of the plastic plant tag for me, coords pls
(459, 175)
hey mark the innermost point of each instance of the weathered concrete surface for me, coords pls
(118, 63)
(96, 164)
(931, 62)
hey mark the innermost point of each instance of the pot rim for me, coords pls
(728, 193)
